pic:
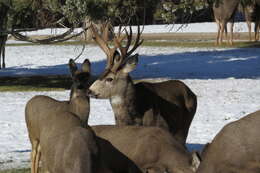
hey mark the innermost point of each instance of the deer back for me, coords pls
(236, 146)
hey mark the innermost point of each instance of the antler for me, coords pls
(114, 59)
(102, 42)
(124, 50)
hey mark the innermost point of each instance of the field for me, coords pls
(225, 79)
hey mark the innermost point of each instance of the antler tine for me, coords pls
(103, 44)
(105, 31)
(137, 42)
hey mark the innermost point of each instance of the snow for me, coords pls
(226, 82)
(187, 28)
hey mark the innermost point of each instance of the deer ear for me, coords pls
(195, 162)
(86, 66)
(130, 64)
(73, 67)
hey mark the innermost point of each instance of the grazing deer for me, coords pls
(152, 149)
(169, 104)
(40, 110)
(224, 11)
(235, 149)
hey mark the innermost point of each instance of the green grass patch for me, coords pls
(24, 170)
(27, 88)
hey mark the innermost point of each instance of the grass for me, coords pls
(24, 170)
(167, 43)
(35, 83)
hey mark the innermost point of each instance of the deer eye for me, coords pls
(109, 79)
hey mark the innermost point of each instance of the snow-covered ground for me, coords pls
(187, 28)
(226, 82)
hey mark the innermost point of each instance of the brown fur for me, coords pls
(66, 146)
(224, 11)
(54, 124)
(152, 149)
(41, 111)
(170, 104)
(235, 148)
(252, 14)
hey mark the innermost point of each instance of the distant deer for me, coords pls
(170, 104)
(42, 111)
(235, 149)
(252, 14)
(152, 149)
(224, 11)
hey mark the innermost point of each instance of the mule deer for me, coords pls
(251, 13)
(40, 110)
(236, 148)
(153, 149)
(224, 11)
(170, 104)
(43, 109)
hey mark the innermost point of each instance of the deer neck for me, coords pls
(80, 107)
(124, 103)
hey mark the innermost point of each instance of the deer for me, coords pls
(56, 122)
(251, 14)
(236, 148)
(224, 11)
(170, 104)
(40, 110)
(152, 149)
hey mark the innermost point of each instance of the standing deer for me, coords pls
(169, 104)
(224, 11)
(235, 149)
(252, 14)
(152, 149)
(42, 111)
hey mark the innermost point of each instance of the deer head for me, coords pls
(80, 78)
(115, 79)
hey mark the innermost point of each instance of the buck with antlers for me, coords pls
(170, 104)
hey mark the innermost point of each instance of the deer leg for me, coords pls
(0, 55)
(219, 27)
(226, 33)
(249, 29)
(257, 27)
(37, 160)
(3, 56)
(33, 155)
(231, 33)
(222, 28)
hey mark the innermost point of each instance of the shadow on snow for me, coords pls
(217, 64)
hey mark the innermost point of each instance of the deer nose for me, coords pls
(91, 94)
